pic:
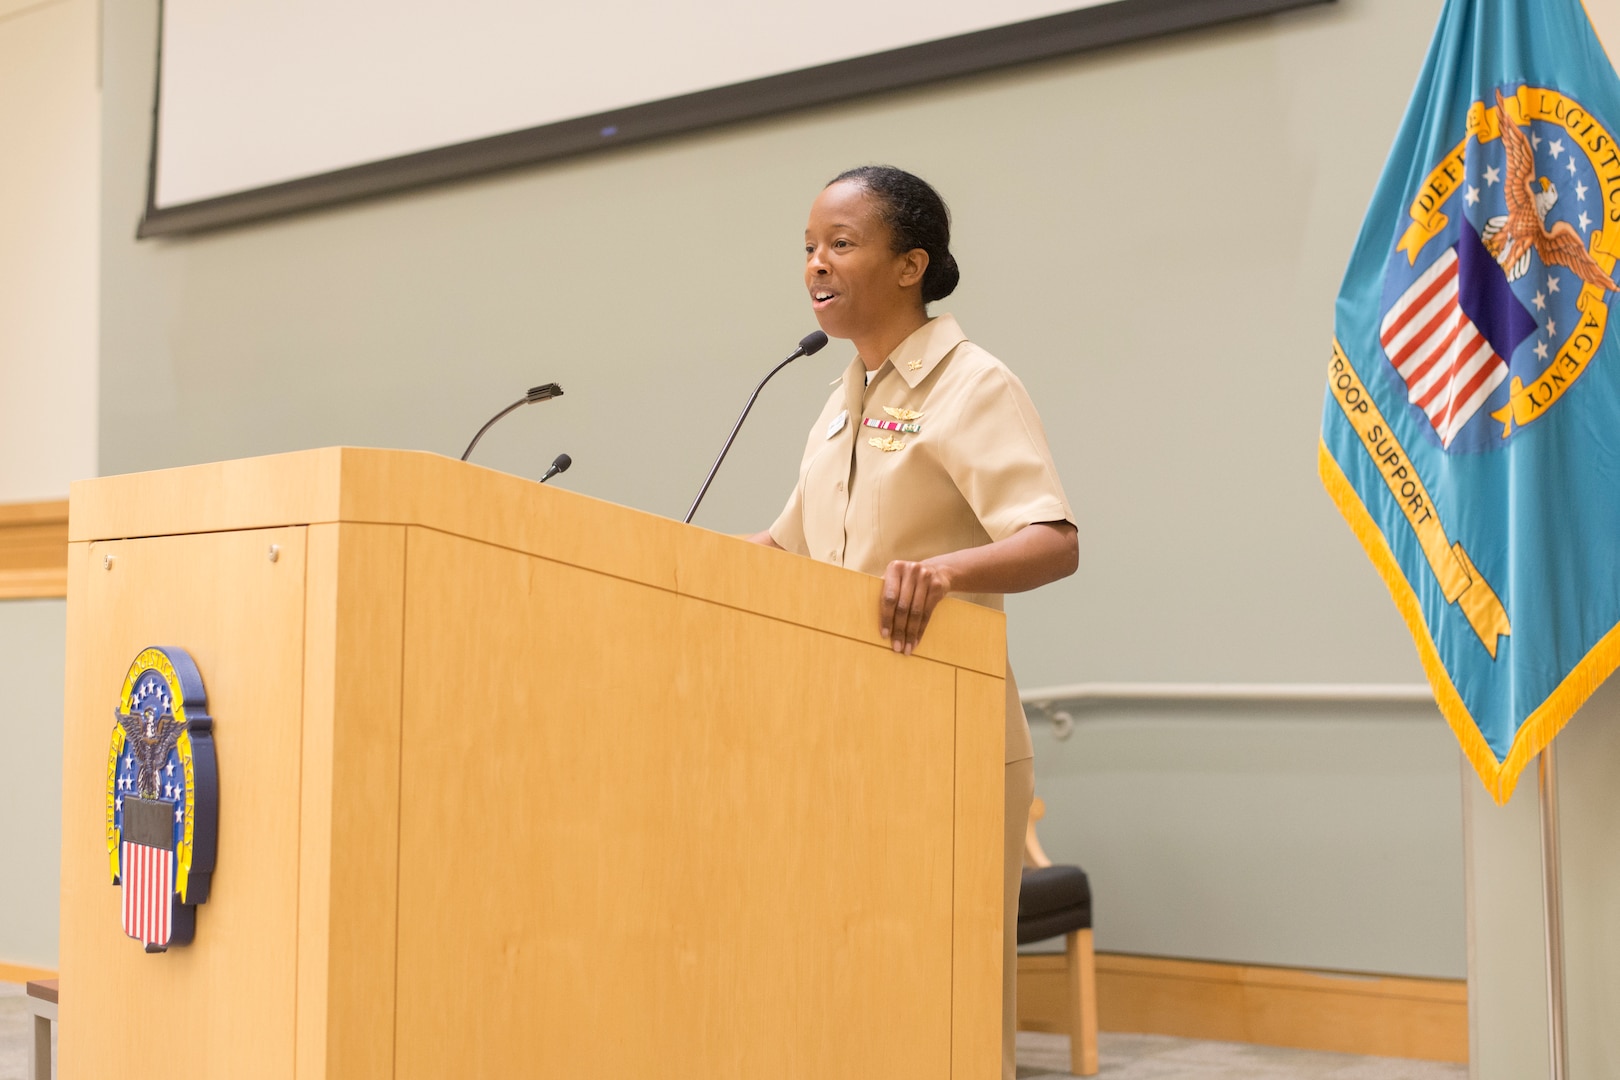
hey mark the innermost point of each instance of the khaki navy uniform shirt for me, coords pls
(976, 469)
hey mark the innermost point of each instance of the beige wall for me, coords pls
(1507, 953)
(1158, 261)
(1151, 236)
(49, 181)
(49, 125)
(655, 282)
(1323, 836)
(1605, 15)
(31, 635)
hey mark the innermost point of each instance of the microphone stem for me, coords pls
(518, 404)
(726, 449)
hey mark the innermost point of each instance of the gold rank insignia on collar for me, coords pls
(914, 365)
(903, 415)
(888, 444)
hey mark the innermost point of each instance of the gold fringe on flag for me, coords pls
(1549, 718)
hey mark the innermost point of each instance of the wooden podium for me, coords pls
(516, 783)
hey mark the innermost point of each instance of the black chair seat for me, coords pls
(1053, 901)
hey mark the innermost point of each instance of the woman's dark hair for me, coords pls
(917, 218)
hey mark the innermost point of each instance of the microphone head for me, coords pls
(562, 462)
(811, 344)
(542, 393)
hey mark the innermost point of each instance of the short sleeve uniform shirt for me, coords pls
(943, 450)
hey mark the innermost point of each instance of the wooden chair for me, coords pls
(1056, 900)
(42, 996)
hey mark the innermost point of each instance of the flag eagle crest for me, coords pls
(1511, 237)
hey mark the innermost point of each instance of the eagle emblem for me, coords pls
(162, 798)
(1502, 318)
(150, 738)
(1511, 237)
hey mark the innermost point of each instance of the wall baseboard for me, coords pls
(1385, 1016)
(20, 973)
(33, 550)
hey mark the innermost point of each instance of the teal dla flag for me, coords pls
(1471, 432)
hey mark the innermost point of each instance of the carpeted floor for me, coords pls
(16, 1028)
(1124, 1057)
(1161, 1057)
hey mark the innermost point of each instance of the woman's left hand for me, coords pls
(911, 592)
(1029, 558)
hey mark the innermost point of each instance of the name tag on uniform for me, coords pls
(838, 423)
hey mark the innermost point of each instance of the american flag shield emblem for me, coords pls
(1448, 333)
(148, 875)
(147, 870)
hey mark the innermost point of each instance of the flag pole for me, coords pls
(1552, 904)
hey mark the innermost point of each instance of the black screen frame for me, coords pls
(968, 54)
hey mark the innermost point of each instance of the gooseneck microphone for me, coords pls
(808, 345)
(560, 465)
(537, 393)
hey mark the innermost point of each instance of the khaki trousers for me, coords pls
(1019, 793)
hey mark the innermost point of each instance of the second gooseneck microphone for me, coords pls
(559, 465)
(808, 345)
(537, 393)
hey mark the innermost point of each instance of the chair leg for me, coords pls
(1082, 972)
(39, 1054)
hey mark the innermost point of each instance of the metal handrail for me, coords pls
(1040, 703)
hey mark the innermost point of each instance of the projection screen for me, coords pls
(268, 108)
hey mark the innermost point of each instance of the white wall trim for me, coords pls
(1052, 704)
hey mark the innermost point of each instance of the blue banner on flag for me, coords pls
(1471, 432)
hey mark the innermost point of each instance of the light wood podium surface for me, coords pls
(515, 782)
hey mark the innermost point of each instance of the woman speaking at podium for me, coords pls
(928, 466)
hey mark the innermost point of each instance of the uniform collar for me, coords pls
(917, 356)
(926, 347)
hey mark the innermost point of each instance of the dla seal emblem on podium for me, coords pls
(162, 798)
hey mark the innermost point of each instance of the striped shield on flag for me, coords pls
(147, 870)
(1448, 332)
